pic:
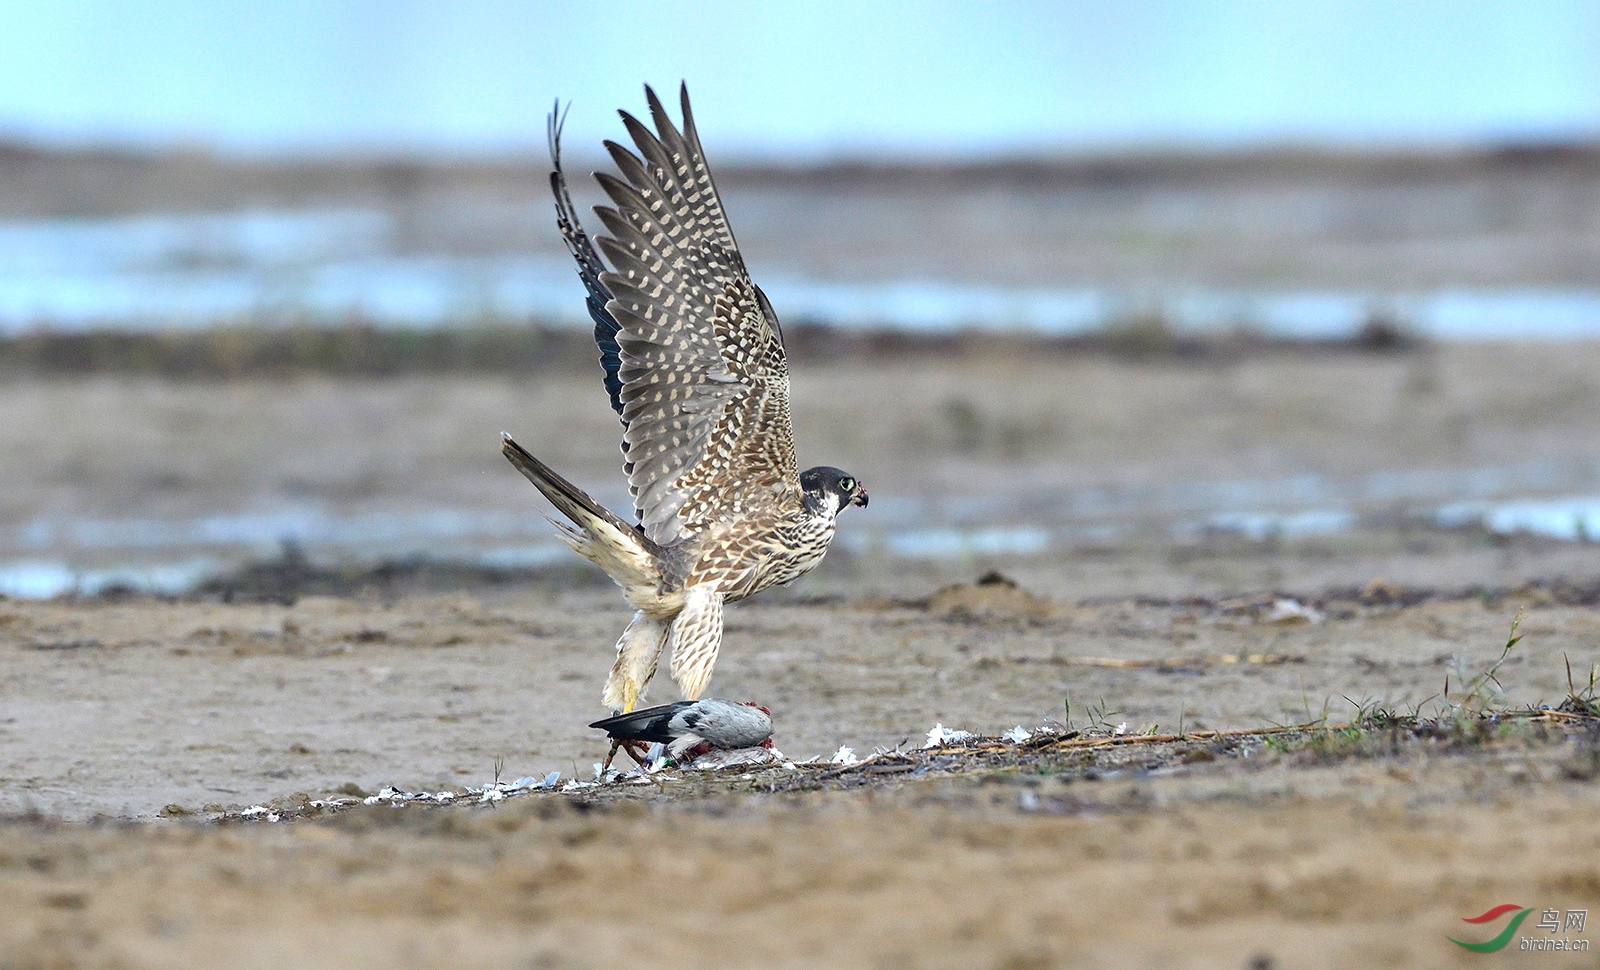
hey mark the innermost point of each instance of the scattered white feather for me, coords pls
(844, 756)
(940, 736)
(389, 794)
(1017, 735)
(729, 757)
(1292, 611)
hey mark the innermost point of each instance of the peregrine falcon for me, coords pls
(694, 365)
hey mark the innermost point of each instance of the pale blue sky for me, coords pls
(808, 79)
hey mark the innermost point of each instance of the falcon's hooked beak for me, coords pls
(859, 496)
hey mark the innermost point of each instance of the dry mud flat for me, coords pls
(1327, 847)
(1323, 850)
(125, 707)
(1207, 853)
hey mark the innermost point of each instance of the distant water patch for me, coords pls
(46, 579)
(1574, 519)
(331, 267)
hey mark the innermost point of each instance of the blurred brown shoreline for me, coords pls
(363, 350)
(1374, 222)
(38, 181)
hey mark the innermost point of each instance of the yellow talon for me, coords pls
(630, 696)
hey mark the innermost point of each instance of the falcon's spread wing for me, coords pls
(704, 384)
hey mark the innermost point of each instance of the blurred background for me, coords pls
(1056, 276)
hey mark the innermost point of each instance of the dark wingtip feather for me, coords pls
(556, 120)
(656, 110)
(621, 156)
(590, 267)
(647, 724)
(624, 195)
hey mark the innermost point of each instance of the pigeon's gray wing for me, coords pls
(705, 386)
(727, 725)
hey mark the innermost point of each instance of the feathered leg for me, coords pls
(696, 635)
(637, 653)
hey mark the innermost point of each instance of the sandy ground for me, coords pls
(1221, 856)
(936, 874)
(127, 708)
(1251, 856)
(1261, 858)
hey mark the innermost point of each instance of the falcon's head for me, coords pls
(831, 489)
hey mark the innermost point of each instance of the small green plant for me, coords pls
(1482, 689)
(1099, 715)
(1320, 720)
(1587, 700)
(1376, 715)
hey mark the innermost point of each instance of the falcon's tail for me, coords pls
(648, 724)
(601, 537)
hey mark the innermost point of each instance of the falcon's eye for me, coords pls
(847, 484)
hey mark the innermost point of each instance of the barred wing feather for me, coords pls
(705, 385)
